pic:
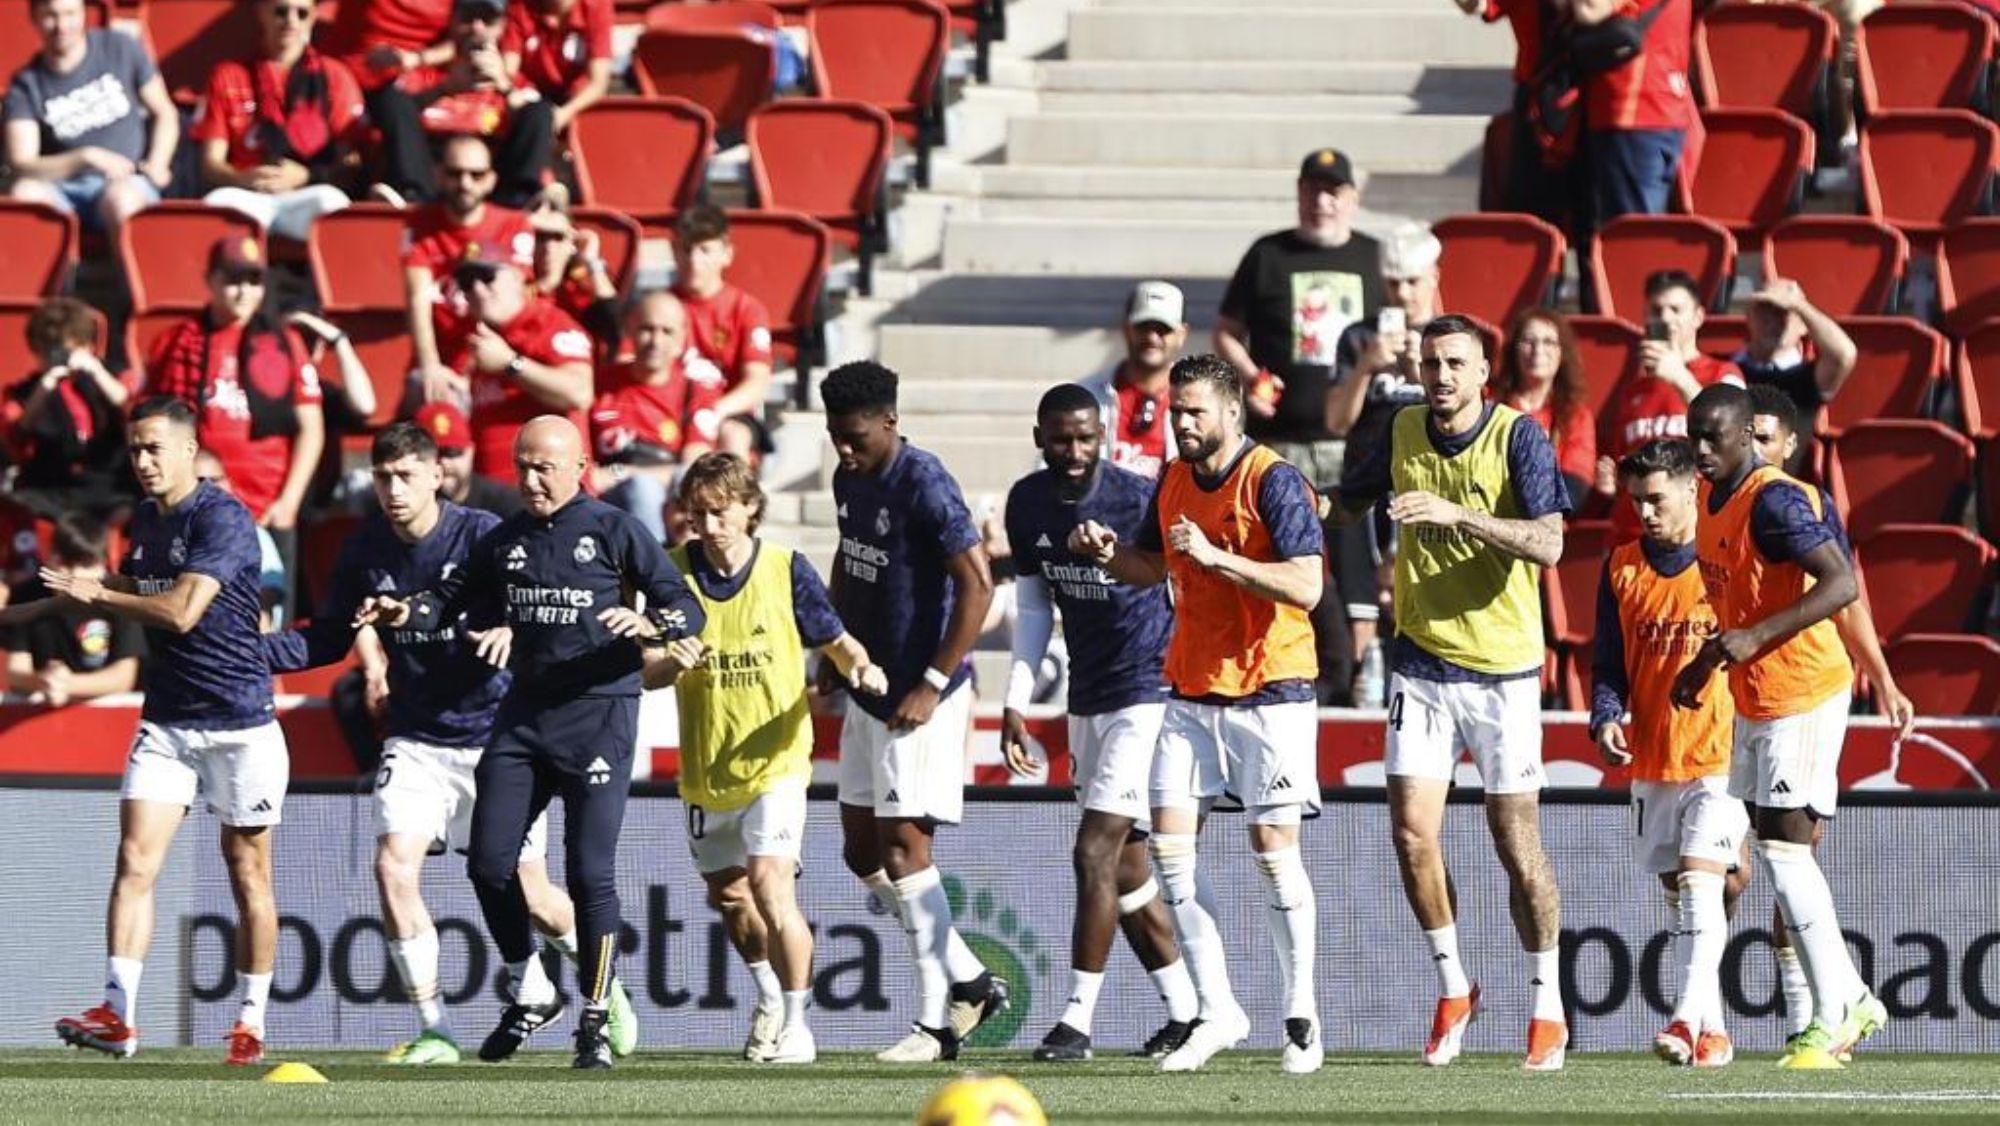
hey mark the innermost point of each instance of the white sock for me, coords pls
(531, 982)
(1176, 991)
(961, 965)
(1191, 901)
(256, 996)
(1807, 903)
(1443, 942)
(927, 920)
(121, 987)
(1547, 982)
(416, 961)
(770, 994)
(883, 889)
(1798, 993)
(1294, 927)
(795, 1007)
(1704, 932)
(1083, 987)
(564, 944)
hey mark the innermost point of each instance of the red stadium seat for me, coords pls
(1849, 265)
(19, 42)
(164, 250)
(1968, 274)
(356, 256)
(41, 249)
(1723, 334)
(890, 54)
(381, 337)
(1753, 169)
(1988, 486)
(1923, 170)
(642, 155)
(1922, 56)
(315, 682)
(781, 259)
(727, 14)
(1901, 471)
(1976, 373)
(17, 360)
(618, 237)
(1925, 578)
(1766, 56)
(1496, 264)
(1630, 247)
(1895, 375)
(727, 71)
(1572, 602)
(1609, 350)
(188, 37)
(827, 159)
(1947, 674)
(319, 552)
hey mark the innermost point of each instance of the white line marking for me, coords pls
(1851, 1096)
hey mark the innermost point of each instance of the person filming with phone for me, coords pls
(65, 422)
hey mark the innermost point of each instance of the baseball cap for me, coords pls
(446, 424)
(1409, 251)
(487, 257)
(1329, 166)
(1156, 302)
(236, 253)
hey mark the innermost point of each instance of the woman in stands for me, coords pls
(1541, 376)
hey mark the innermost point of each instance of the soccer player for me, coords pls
(558, 573)
(1774, 428)
(1117, 700)
(441, 699)
(912, 585)
(746, 735)
(1776, 574)
(1652, 615)
(1481, 501)
(1235, 528)
(207, 729)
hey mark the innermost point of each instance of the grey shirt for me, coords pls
(95, 105)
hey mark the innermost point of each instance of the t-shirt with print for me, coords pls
(556, 61)
(730, 327)
(651, 423)
(94, 106)
(1646, 408)
(84, 638)
(1295, 298)
(437, 241)
(541, 333)
(257, 465)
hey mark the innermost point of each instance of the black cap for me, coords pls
(1328, 166)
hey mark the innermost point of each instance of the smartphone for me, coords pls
(1656, 329)
(1391, 319)
(55, 357)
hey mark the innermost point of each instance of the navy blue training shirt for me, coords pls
(213, 677)
(897, 529)
(440, 692)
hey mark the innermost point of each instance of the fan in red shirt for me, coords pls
(1530, 185)
(521, 356)
(1541, 375)
(436, 240)
(570, 268)
(1636, 114)
(730, 327)
(563, 49)
(657, 414)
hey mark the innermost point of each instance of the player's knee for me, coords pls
(491, 869)
(1095, 855)
(1415, 844)
(137, 867)
(771, 889)
(394, 875)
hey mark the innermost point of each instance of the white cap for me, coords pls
(1156, 302)
(1410, 251)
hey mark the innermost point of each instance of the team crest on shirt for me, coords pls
(586, 550)
(517, 557)
(177, 552)
(882, 524)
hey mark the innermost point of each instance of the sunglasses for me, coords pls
(465, 173)
(478, 273)
(243, 277)
(481, 15)
(294, 15)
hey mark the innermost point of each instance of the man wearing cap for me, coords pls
(434, 241)
(1132, 394)
(459, 484)
(519, 354)
(659, 413)
(1781, 321)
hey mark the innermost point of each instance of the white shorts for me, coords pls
(1694, 818)
(1793, 762)
(773, 824)
(1500, 723)
(1266, 758)
(243, 774)
(1111, 760)
(919, 775)
(424, 790)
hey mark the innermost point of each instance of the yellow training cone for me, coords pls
(294, 1073)
(1811, 1059)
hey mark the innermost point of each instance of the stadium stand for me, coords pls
(890, 54)
(728, 71)
(41, 249)
(162, 247)
(827, 159)
(1925, 578)
(1890, 471)
(1947, 673)
(1630, 247)
(1754, 165)
(1968, 273)
(1851, 264)
(643, 156)
(1497, 263)
(1922, 56)
(1896, 375)
(188, 37)
(1923, 170)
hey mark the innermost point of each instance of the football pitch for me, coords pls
(191, 1085)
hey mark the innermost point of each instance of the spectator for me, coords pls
(520, 355)
(729, 326)
(475, 92)
(380, 40)
(66, 422)
(1849, 14)
(254, 391)
(1637, 112)
(657, 415)
(570, 267)
(1531, 185)
(1541, 375)
(448, 426)
(1292, 296)
(356, 385)
(77, 652)
(90, 128)
(562, 48)
(278, 132)
(1132, 394)
(273, 589)
(1781, 321)
(438, 237)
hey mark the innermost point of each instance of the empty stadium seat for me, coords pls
(1891, 471)
(356, 257)
(727, 71)
(164, 250)
(1849, 265)
(642, 156)
(1947, 674)
(890, 54)
(1976, 378)
(1609, 350)
(827, 159)
(1922, 56)
(319, 552)
(41, 249)
(1895, 374)
(1925, 578)
(17, 360)
(1766, 56)
(19, 42)
(1753, 169)
(188, 37)
(1496, 264)
(1631, 247)
(1572, 604)
(781, 259)
(715, 14)
(1968, 274)
(618, 237)
(1923, 170)
(1988, 486)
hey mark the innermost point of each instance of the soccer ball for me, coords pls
(983, 1100)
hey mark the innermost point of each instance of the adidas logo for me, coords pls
(598, 772)
(1724, 843)
(891, 798)
(1129, 795)
(1284, 782)
(263, 806)
(841, 512)
(1782, 787)
(1043, 540)
(517, 557)
(759, 631)
(1440, 956)
(1529, 771)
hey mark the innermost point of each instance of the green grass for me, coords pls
(190, 1085)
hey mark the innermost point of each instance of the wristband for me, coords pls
(937, 680)
(517, 365)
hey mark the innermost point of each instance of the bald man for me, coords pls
(658, 414)
(556, 574)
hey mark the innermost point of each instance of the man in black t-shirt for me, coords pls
(78, 652)
(1781, 320)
